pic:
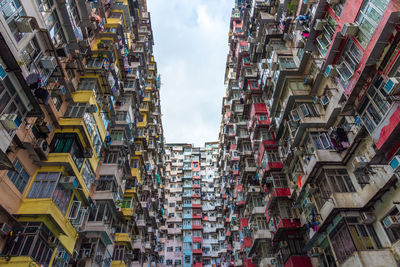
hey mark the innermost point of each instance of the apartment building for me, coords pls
(193, 211)
(309, 140)
(81, 137)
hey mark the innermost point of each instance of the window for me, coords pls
(91, 84)
(127, 203)
(73, 12)
(118, 135)
(348, 63)
(97, 143)
(178, 262)
(286, 63)
(187, 259)
(88, 175)
(30, 52)
(362, 177)
(123, 116)
(170, 249)
(369, 17)
(55, 30)
(19, 178)
(111, 158)
(10, 102)
(393, 232)
(32, 242)
(12, 9)
(95, 62)
(44, 185)
(374, 105)
(338, 8)
(331, 181)
(260, 223)
(76, 110)
(263, 117)
(106, 183)
(321, 140)
(325, 38)
(304, 110)
(351, 237)
(169, 262)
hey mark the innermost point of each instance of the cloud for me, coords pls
(191, 44)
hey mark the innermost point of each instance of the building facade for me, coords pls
(309, 140)
(81, 136)
(194, 224)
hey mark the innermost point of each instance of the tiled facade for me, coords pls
(309, 141)
(81, 136)
(194, 224)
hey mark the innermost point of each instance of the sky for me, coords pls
(190, 48)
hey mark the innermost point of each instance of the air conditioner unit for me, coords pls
(42, 148)
(391, 221)
(10, 121)
(88, 152)
(392, 86)
(330, 71)
(48, 62)
(24, 24)
(5, 228)
(333, 2)
(395, 163)
(91, 108)
(69, 182)
(350, 29)
(367, 217)
(360, 162)
(324, 100)
(319, 24)
(316, 251)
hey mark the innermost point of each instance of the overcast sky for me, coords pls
(191, 46)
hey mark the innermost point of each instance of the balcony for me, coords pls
(65, 159)
(125, 238)
(275, 194)
(370, 258)
(197, 227)
(46, 210)
(141, 223)
(101, 228)
(197, 251)
(285, 226)
(257, 210)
